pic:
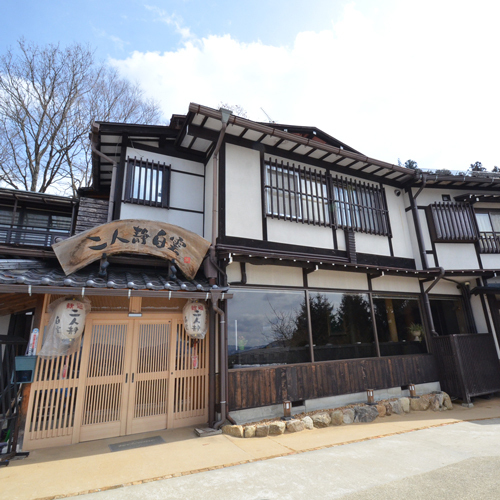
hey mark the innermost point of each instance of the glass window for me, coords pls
(448, 316)
(341, 326)
(489, 231)
(148, 183)
(360, 206)
(267, 328)
(296, 193)
(399, 326)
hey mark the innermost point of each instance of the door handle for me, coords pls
(126, 377)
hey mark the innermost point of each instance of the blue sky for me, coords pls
(393, 78)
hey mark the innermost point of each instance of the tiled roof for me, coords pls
(117, 278)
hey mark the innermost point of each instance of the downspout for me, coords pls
(427, 303)
(222, 358)
(416, 222)
(113, 181)
(225, 114)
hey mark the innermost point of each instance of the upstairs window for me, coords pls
(296, 193)
(489, 231)
(452, 222)
(360, 207)
(310, 196)
(148, 183)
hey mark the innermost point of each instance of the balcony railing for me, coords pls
(489, 242)
(452, 222)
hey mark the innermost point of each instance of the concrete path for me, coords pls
(456, 461)
(309, 461)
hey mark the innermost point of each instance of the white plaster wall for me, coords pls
(341, 280)
(413, 239)
(187, 220)
(186, 192)
(401, 240)
(233, 272)
(395, 284)
(209, 180)
(372, 243)
(457, 255)
(274, 275)
(443, 288)
(431, 261)
(177, 163)
(341, 243)
(425, 230)
(477, 310)
(283, 231)
(243, 193)
(4, 324)
(490, 260)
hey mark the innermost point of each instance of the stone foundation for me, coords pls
(360, 413)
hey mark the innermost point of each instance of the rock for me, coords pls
(261, 430)
(249, 431)
(388, 409)
(348, 416)
(382, 410)
(321, 420)
(295, 425)
(365, 414)
(233, 430)
(447, 401)
(419, 404)
(308, 423)
(405, 404)
(436, 401)
(337, 417)
(397, 407)
(277, 428)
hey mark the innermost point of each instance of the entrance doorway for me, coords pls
(132, 375)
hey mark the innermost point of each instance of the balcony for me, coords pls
(34, 219)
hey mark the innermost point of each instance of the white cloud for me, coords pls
(171, 20)
(418, 81)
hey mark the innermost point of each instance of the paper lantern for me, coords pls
(195, 319)
(69, 319)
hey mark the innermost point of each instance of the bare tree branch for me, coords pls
(49, 96)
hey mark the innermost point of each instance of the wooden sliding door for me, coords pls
(133, 375)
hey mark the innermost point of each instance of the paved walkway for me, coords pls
(89, 467)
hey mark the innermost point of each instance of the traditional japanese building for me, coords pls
(325, 272)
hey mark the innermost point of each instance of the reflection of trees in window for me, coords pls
(353, 319)
(287, 329)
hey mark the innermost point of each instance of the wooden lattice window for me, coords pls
(148, 183)
(360, 207)
(452, 222)
(296, 193)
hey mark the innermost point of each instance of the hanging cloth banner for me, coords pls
(133, 236)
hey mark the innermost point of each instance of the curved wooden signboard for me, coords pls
(133, 236)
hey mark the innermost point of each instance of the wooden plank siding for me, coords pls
(254, 387)
(91, 213)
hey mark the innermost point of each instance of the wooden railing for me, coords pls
(41, 237)
(468, 365)
(489, 243)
